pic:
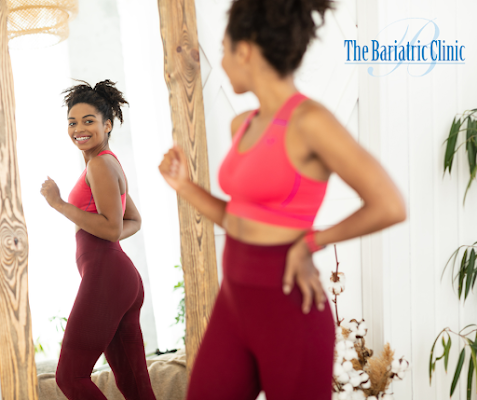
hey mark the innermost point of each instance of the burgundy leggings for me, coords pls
(104, 319)
(258, 338)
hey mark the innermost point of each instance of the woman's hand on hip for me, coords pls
(174, 168)
(50, 191)
(300, 269)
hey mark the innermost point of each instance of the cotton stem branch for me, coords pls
(335, 300)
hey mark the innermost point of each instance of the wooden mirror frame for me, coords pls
(182, 75)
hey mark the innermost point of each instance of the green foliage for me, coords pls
(60, 323)
(467, 273)
(38, 346)
(181, 316)
(470, 374)
(468, 119)
(446, 347)
(451, 143)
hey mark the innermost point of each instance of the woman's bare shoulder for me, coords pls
(237, 121)
(315, 121)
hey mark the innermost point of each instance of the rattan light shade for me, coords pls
(39, 23)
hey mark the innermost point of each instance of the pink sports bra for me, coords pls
(263, 184)
(81, 195)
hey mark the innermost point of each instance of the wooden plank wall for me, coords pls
(17, 355)
(182, 74)
(410, 117)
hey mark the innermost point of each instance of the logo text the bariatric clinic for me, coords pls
(415, 43)
(437, 50)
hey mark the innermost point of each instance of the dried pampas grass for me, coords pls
(379, 371)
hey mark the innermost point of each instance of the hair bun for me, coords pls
(282, 28)
(107, 89)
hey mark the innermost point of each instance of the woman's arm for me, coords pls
(104, 182)
(131, 219)
(175, 170)
(338, 150)
(383, 203)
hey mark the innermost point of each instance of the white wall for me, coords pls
(407, 120)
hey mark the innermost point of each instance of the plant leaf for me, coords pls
(454, 255)
(462, 273)
(432, 364)
(470, 375)
(473, 261)
(451, 142)
(470, 144)
(446, 352)
(443, 349)
(471, 178)
(470, 270)
(471, 148)
(473, 359)
(465, 327)
(458, 370)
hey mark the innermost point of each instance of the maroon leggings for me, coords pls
(104, 319)
(258, 338)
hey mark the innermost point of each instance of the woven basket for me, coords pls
(39, 23)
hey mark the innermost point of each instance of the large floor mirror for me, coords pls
(121, 40)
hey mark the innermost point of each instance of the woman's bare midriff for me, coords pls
(255, 232)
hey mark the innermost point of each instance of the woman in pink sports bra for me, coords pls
(271, 327)
(105, 314)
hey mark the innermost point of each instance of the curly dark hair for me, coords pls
(281, 28)
(105, 97)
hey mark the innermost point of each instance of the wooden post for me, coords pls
(17, 354)
(182, 74)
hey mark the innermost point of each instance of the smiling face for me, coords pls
(86, 127)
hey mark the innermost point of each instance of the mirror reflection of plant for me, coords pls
(181, 316)
(60, 323)
(39, 348)
(468, 119)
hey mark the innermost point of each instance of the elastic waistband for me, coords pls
(253, 264)
(86, 242)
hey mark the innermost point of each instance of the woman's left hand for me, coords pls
(50, 191)
(300, 269)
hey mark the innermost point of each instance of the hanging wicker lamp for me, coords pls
(39, 23)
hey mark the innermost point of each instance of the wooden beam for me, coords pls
(182, 74)
(17, 354)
